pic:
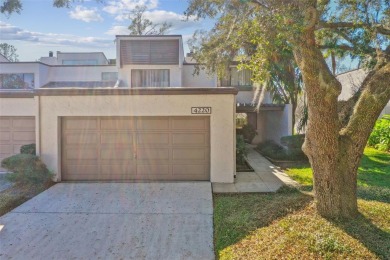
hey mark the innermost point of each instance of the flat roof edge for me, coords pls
(133, 91)
(17, 94)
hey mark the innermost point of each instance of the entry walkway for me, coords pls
(266, 177)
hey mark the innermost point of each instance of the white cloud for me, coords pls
(118, 30)
(85, 14)
(10, 32)
(120, 8)
(178, 21)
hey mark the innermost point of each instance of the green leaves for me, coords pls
(11, 6)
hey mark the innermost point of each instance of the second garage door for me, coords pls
(135, 148)
(15, 131)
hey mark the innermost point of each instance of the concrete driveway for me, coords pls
(112, 221)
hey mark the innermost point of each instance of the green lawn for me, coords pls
(373, 175)
(18, 194)
(285, 225)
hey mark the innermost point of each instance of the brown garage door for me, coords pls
(15, 132)
(135, 148)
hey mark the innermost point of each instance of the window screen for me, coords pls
(149, 78)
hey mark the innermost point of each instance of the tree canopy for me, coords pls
(9, 51)
(140, 25)
(261, 31)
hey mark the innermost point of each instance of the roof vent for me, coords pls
(50, 54)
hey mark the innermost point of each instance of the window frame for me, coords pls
(31, 83)
(133, 71)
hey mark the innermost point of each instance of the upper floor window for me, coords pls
(79, 62)
(109, 76)
(238, 78)
(241, 77)
(17, 81)
(150, 78)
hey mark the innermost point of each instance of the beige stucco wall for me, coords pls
(203, 80)
(18, 107)
(222, 123)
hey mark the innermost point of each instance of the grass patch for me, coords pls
(18, 194)
(285, 225)
(373, 175)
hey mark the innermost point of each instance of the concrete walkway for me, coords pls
(266, 178)
(112, 221)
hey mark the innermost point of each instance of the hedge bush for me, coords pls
(275, 151)
(28, 149)
(241, 150)
(248, 132)
(26, 168)
(380, 135)
(293, 141)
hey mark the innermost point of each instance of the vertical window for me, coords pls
(241, 77)
(17, 81)
(149, 78)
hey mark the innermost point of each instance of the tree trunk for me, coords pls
(294, 109)
(334, 178)
(335, 149)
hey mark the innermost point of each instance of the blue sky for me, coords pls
(86, 26)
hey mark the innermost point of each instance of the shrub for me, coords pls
(293, 141)
(294, 146)
(277, 152)
(26, 168)
(380, 135)
(28, 149)
(249, 132)
(271, 149)
(241, 150)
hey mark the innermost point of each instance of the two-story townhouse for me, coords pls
(146, 116)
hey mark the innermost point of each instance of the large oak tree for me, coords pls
(337, 132)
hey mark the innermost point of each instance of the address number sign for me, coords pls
(201, 110)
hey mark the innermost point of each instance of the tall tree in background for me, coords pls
(140, 25)
(337, 132)
(9, 51)
(233, 39)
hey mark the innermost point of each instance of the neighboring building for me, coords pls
(142, 116)
(351, 81)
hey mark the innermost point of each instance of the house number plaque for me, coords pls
(200, 110)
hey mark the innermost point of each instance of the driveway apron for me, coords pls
(112, 221)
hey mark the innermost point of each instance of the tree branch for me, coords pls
(373, 98)
(337, 25)
(343, 47)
